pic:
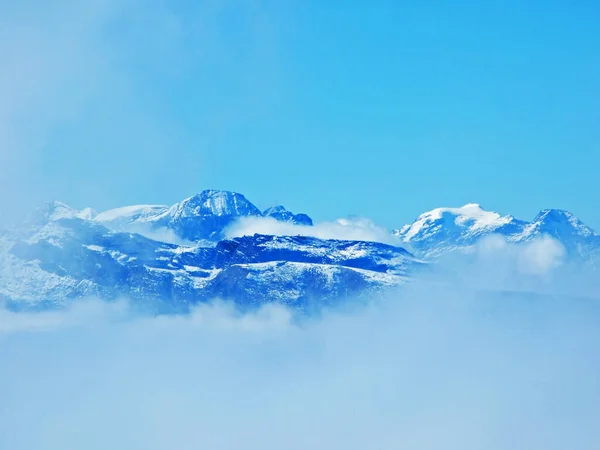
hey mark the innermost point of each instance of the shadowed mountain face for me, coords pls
(283, 215)
(69, 258)
(176, 256)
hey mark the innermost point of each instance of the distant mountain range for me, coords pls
(201, 217)
(443, 230)
(171, 257)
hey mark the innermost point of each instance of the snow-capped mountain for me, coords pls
(175, 256)
(203, 216)
(450, 229)
(67, 254)
(283, 215)
(56, 210)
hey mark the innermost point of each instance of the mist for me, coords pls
(432, 365)
(81, 120)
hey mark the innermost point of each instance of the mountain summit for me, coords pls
(171, 257)
(283, 215)
(68, 258)
(450, 229)
(203, 216)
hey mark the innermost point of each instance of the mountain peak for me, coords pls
(448, 229)
(552, 214)
(217, 203)
(559, 221)
(274, 209)
(126, 214)
(280, 213)
(471, 206)
(202, 216)
(470, 218)
(55, 210)
(468, 211)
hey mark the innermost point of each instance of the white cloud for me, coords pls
(430, 367)
(494, 255)
(541, 255)
(536, 257)
(540, 266)
(161, 234)
(358, 228)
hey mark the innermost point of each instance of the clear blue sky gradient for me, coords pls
(384, 109)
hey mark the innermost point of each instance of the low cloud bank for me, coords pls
(436, 365)
(540, 266)
(353, 229)
(537, 257)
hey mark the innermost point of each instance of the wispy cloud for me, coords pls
(358, 228)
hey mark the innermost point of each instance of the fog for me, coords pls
(438, 364)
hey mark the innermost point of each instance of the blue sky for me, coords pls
(384, 109)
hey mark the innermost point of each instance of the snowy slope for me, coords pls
(203, 216)
(70, 258)
(172, 257)
(129, 214)
(456, 229)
